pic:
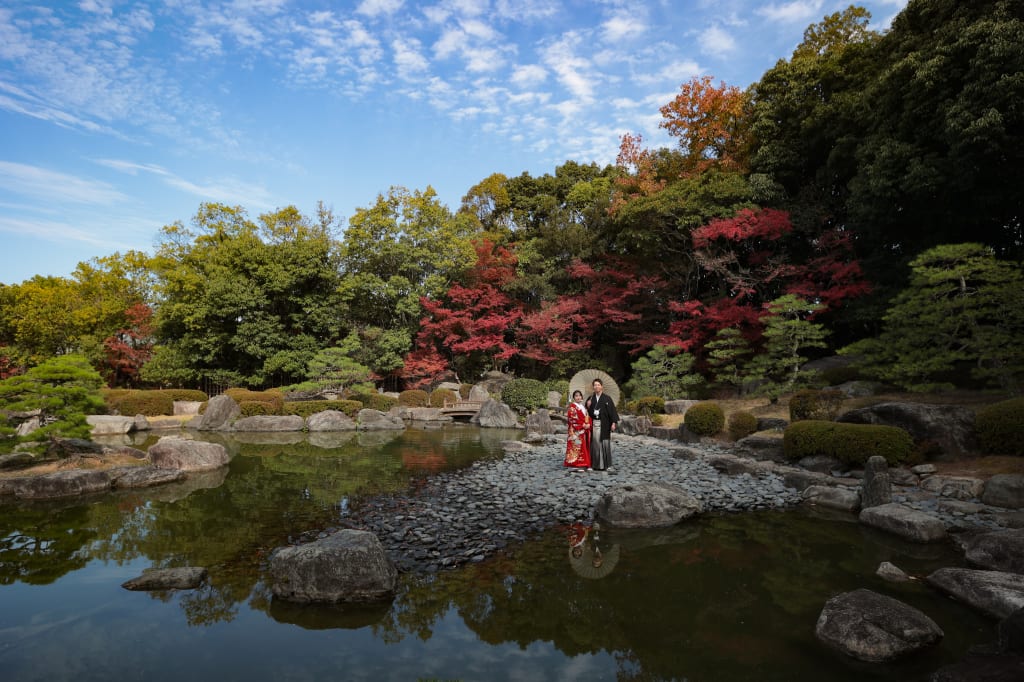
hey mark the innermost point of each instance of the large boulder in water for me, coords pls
(540, 422)
(348, 566)
(646, 505)
(188, 455)
(872, 627)
(330, 420)
(262, 423)
(375, 420)
(495, 414)
(56, 484)
(1005, 490)
(220, 413)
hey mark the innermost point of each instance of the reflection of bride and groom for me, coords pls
(589, 556)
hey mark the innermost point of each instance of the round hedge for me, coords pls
(375, 401)
(850, 443)
(525, 394)
(742, 424)
(439, 396)
(413, 397)
(648, 405)
(307, 408)
(1000, 426)
(814, 404)
(705, 419)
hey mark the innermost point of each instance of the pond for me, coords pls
(726, 597)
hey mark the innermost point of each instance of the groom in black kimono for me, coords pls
(601, 409)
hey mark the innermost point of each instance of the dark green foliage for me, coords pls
(64, 389)
(525, 394)
(1000, 427)
(850, 443)
(741, 425)
(814, 404)
(833, 376)
(705, 419)
(439, 395)
(307, 408)
(413, 398)
(647, 405)
(962, 306)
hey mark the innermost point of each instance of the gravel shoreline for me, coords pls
(467, 515)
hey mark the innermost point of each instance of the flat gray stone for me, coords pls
(995, 593)
(842, 499)
(182, 578)
(909, 524)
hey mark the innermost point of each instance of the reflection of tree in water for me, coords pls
(729, 592)
(42, 542)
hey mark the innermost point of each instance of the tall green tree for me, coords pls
(788, 334)
(962, 307)
(248, 301)
(407, 245)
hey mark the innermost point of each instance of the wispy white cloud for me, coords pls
(572, 70)
(35, 181)
(717, 42)
(789, 12)
(528, 75)
(374, 8)
(52, 231)
(408, 60)
(225, 190)
(623, 26)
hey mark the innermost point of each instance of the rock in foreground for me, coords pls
(183, 578)
(907, 523)
(995, 593)
(872, 627)
(188, 455)
(348, 566)
(646, 505)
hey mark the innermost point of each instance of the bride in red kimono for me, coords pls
(577, 449)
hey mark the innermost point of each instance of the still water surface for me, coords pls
(727, 597)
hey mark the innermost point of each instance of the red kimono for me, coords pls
(577, 448)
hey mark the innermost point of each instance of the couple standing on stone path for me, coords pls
(590, 426)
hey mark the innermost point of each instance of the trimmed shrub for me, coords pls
(254, 408)
(464, 390)
(273, 397)
(850, 443)
(705, 419)
(648, 405)
(1000, 426)
(820, 405)
(375, 401)
(148, 403)
(525, 394)
(657, 420)
(307, 408)
(440, 395)
(413, 398)
(741, 425)
(151, 403)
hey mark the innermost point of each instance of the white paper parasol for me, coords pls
(584, 564)
(583, 381)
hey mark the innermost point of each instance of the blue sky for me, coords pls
(117, 118)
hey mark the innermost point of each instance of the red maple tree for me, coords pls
(127, 349)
